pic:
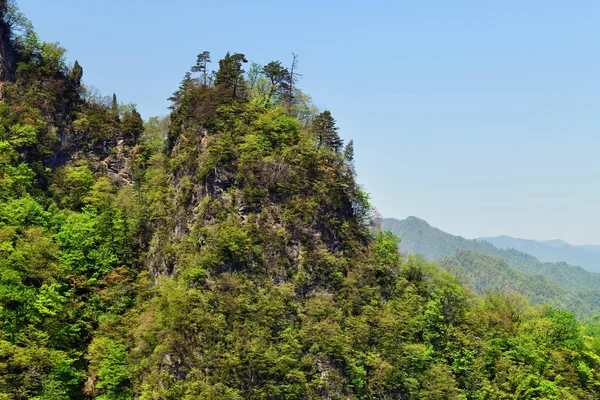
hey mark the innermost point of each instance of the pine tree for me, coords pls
(201, 65)
(114, 109)
(76, 74)
(115, 104)
(231, 73)
(178, 95)
(276, 74)
(349, 152)
(326, 131)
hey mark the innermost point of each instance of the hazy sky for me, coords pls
(480, 117)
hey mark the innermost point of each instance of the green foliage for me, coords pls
(483, 267)
(14, 19)
(326, 132)
(67, 253)
(108, 369)
(421, 238)
(483, 273)
(278, 288)
(230, 72)
(233, 256)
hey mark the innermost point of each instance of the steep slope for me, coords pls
(273, 283)
(587, 257)
(419, 237)
(8, 55)
(69, 237)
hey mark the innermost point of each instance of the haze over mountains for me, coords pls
(412, 229)
(482, 266)
(587, 257)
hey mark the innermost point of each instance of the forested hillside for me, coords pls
(227, 252)
(418, 237)
(484, 273)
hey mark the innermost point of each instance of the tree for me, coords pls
(349, 152)
(12, 18)
(230, 73)
(439, 384)
(276, 74)
(184, 85)
(114, 108)
(155, 133)
(289, 84)
(115, 105)
(201, 65)
(76, 74)
(254, 74)
(326, 132)
(132, 125)
(349, 157)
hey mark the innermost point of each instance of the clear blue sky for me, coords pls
(481, 117)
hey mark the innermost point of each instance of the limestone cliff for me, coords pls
(8, 55)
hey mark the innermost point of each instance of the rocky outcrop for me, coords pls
(8, 55)
(113, 157)
(116, 165)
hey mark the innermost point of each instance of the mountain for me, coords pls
(484, 273)
(227, 252)
(418, 237)
(587, 257)
(594, 248)
(483, 267)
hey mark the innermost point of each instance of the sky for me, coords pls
(480, 117)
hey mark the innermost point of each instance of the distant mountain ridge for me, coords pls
(587, 257)
(481, 266)
(482, 273)
(418, 237)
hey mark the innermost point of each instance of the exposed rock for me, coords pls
(109, 158)
(8, 56)
(118, 166)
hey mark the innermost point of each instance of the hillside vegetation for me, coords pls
(418, 237)
(483, 267)
(484, 273)
(227, 252)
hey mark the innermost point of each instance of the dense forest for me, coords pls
(420, 237)
(483, 273)
(485, 267)
(227, 252)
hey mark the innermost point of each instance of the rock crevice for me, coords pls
(8, 55)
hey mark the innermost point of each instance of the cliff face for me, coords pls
(263, 182)
(112, 157)
(8, 56)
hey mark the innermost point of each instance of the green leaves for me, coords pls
(72, 184)
(108, 369)
(243, 261)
